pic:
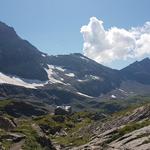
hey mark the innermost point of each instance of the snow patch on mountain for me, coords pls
(123, 91)
(59, 68)
(52, 67)
(70, 74)
(14, 80)
(34, 84)
(84, 58)
(113, 97)
(94, 77)
(80, 80)
(43, 55)
(82, 94)
(53, 76)
(88, 78)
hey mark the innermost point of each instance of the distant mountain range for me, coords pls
(29, 73)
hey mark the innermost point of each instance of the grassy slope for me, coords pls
(75, 126)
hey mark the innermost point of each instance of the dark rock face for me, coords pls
(138, 71)
(19, 57)
(45, 143)
(6, 123)
(50, 130)
(60, 111)
(84, 68)
(58, 118)
(18, 109)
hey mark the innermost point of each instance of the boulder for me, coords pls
(14, 137)
(6, 123)
(46, 143)
(63, 110)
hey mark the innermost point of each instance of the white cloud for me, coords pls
(105, 46)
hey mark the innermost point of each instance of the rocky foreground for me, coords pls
(44, 130)
(33, 126)
(129, 131)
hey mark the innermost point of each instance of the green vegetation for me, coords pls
(146, 141)
(137, 137)
(71, 127)
(31, 143)
(133, 126)
(4, 103)
(109, 106)
(61, 129)
(5, 143)
(74, 129)
(127, 129)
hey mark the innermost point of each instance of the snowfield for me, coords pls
(84, 95)
(33, 84)
(70, 74)
(52, 75)
(56, 75)
(14, 80)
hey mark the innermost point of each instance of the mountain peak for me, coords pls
(5, 29)
(2, 24)
(138, 71)
(19, 57)
(77, 54)
(147, 59)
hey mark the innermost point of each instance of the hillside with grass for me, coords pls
(43, 129)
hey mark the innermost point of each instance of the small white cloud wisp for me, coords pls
(106, 46)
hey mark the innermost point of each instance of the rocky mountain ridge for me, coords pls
(21, 64)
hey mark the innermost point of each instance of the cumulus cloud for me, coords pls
(105, 46)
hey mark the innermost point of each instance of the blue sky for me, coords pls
(53, 26)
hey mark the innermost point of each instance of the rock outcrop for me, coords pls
(6, 123)
(130, 131)
(14, 137)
